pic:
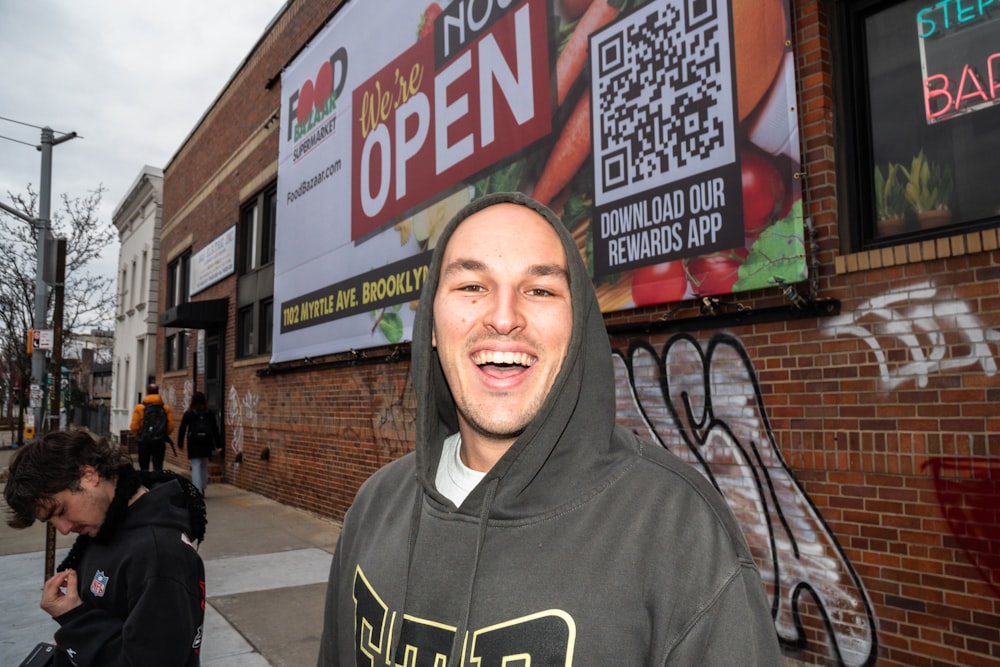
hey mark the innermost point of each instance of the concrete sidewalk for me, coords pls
(266, 567)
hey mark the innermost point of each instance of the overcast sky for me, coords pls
(131, 77)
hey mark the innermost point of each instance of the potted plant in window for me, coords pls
(928, 190)
(890, 199)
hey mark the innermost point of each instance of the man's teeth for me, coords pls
(518, 358)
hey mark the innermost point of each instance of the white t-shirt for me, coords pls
(454, 479)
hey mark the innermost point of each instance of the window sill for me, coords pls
(260, 360)
(920, 251)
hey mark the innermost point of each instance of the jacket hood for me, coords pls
(167, 504)
(566, 450)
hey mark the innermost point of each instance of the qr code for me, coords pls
(662, 87)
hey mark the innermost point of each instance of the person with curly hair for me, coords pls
(132, 589)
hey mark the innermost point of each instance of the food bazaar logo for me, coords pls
(311, 117)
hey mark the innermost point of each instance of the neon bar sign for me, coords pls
(959, 57)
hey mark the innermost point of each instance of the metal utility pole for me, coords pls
(38, 374)
(56, 395)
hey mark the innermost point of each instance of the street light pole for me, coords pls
(42, 234)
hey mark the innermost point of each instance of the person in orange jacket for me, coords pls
(152, 424)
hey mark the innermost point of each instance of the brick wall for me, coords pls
(858, 448)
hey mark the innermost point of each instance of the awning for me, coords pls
(205, 314)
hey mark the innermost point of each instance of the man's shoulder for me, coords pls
(389, 480)
(681, 483)
(395, 470)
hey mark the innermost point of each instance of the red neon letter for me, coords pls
(969, 75)
(928, 94)
(993, 78)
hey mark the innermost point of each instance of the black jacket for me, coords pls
(143, 591)
(197, 449)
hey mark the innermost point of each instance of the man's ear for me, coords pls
(89, 477)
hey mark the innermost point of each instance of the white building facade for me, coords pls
(138, 219)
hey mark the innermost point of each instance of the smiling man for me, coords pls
(132, 589)
(527, 527)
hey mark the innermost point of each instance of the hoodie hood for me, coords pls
(547, 466)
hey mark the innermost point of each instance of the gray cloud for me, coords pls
(131, 78)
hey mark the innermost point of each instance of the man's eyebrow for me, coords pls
(543, 270)
(462, 265)
(540, 270)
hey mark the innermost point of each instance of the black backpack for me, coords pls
(154, 424)
(200, 430)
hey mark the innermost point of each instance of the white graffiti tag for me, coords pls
(920, 320)
(241, 418)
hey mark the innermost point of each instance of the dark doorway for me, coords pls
(214, 380)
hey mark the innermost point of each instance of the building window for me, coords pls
(256, 282)
(131, 289)
(245, 332)
(921, 118)
(169, 355)
(179, 280)
(177, 350)
(257, 230)
(143, 295)
(123, 293)
(266, 326)
(178, 292)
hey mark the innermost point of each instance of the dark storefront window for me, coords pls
(921, 119)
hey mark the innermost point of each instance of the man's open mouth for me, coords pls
(504, 359)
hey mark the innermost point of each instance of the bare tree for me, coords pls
(88, 298)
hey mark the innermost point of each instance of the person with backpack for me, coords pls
(152, 424)
(201, 429)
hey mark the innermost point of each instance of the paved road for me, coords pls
(266, 567)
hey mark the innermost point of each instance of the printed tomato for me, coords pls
(717, 272)
(659, 283)
(763, 191)
(427, 21)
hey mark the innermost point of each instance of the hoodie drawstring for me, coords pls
(411, 547)
(458, 647)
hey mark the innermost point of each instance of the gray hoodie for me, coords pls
(583, 545)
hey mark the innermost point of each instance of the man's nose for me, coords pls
(62, 525)
(505, 315)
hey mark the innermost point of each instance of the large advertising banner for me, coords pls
(663, 132)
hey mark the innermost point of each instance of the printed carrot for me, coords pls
(568, 154)
(574, 54)
(575, 8)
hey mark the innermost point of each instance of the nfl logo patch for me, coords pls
(99, 584)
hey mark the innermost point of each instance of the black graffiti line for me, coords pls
(708, 423)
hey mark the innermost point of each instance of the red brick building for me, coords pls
(851, 420)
